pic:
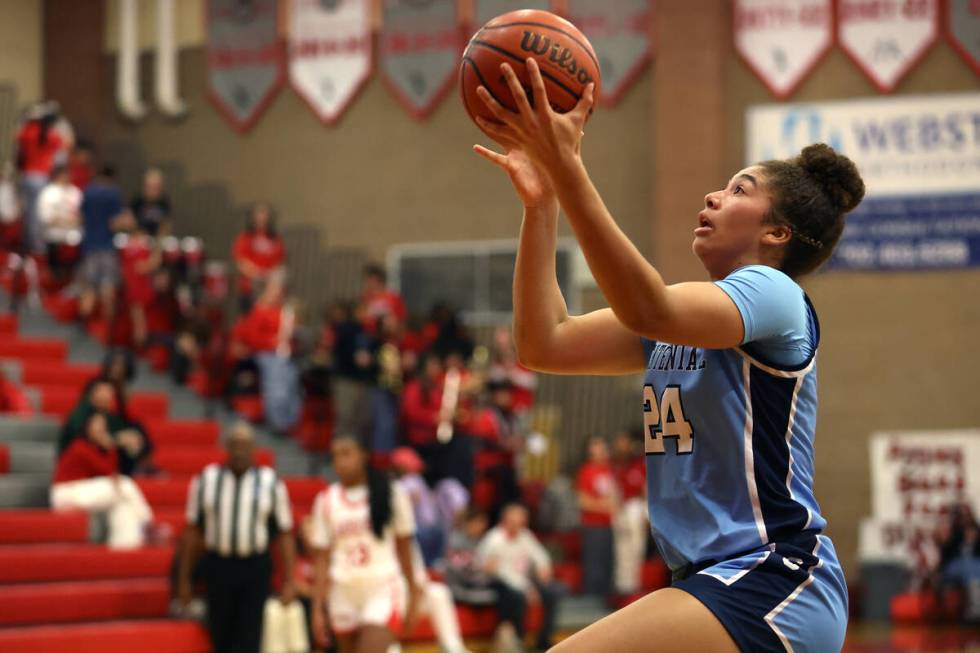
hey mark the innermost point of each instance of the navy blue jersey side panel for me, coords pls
(772, 405)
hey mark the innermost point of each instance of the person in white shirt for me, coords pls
(522, 571)
(363, 532)
(59, 213)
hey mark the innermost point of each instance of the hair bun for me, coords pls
(835, 173)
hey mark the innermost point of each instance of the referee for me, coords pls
(234, 511)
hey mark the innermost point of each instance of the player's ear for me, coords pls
(776, 234)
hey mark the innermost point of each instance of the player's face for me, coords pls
(731, 226)
(348, 462)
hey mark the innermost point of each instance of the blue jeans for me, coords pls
(384, 420)
(31, 185)
(597, 559)
(281, 399)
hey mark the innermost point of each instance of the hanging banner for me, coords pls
(421, 43)
(783, 40)
(245, 59)
(620, 32)
(963, 25)
(485, 10)
(920, 160)
(330, 53)
(886, 38)
(917, 478)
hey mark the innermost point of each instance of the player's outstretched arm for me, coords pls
(698, 314)
(547, 338)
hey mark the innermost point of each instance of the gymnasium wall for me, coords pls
(20, 65)
(898, 348)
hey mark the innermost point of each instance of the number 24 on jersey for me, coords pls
(664, 418)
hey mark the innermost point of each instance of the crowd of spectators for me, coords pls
(448, 418)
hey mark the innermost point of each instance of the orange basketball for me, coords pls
(566, 58)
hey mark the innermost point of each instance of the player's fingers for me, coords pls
(493, 157)
(500, 133)
(497, 109)
(520, 96)
(584, 106)
(541, 104)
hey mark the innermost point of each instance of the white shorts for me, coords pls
(360, 603)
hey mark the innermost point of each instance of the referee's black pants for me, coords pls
(237, 591)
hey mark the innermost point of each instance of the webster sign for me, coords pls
(920, 159)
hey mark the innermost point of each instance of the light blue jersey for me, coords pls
(729, 450)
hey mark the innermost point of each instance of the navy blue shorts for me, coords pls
(778, 598)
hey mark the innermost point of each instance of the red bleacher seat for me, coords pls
(183, 433)
(171, 493)
(164, 636)
(4, 459)
(60, 400)
(148, 405)
(33, 348)
(82, 601)
(8, 324)
(57, 373)
(165, 492)
(38, 526)
(191, 460)
(61, 308)
(38, 563)
(474, 622)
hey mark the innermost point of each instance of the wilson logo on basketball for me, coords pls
(539, 44)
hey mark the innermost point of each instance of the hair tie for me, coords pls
(815, 244)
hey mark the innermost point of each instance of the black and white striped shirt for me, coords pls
(238, 514)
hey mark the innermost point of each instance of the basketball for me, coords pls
(567, 61)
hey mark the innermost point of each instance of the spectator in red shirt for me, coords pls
(86, 479)
(269, 331)
(80, 165)
(598, 500)
(43, 140)
(377, 300)
(497, 438)
(258, 252)
(421, 408)
(140, 259)
(630, 523)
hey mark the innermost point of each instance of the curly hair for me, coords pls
(811, 194)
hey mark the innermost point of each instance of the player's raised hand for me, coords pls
(550, 139)
(531, 183)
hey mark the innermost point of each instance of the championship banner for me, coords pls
(963, 25)
(421, 44)
(484, 10)
(621, 35)
(783, 40)
(920, 160)
(330, 53)
(245, 58)
(885, 38)
(916, 479)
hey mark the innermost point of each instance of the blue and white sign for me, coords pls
(920, 159)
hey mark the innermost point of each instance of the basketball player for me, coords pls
(363, 530)
(729, 395)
